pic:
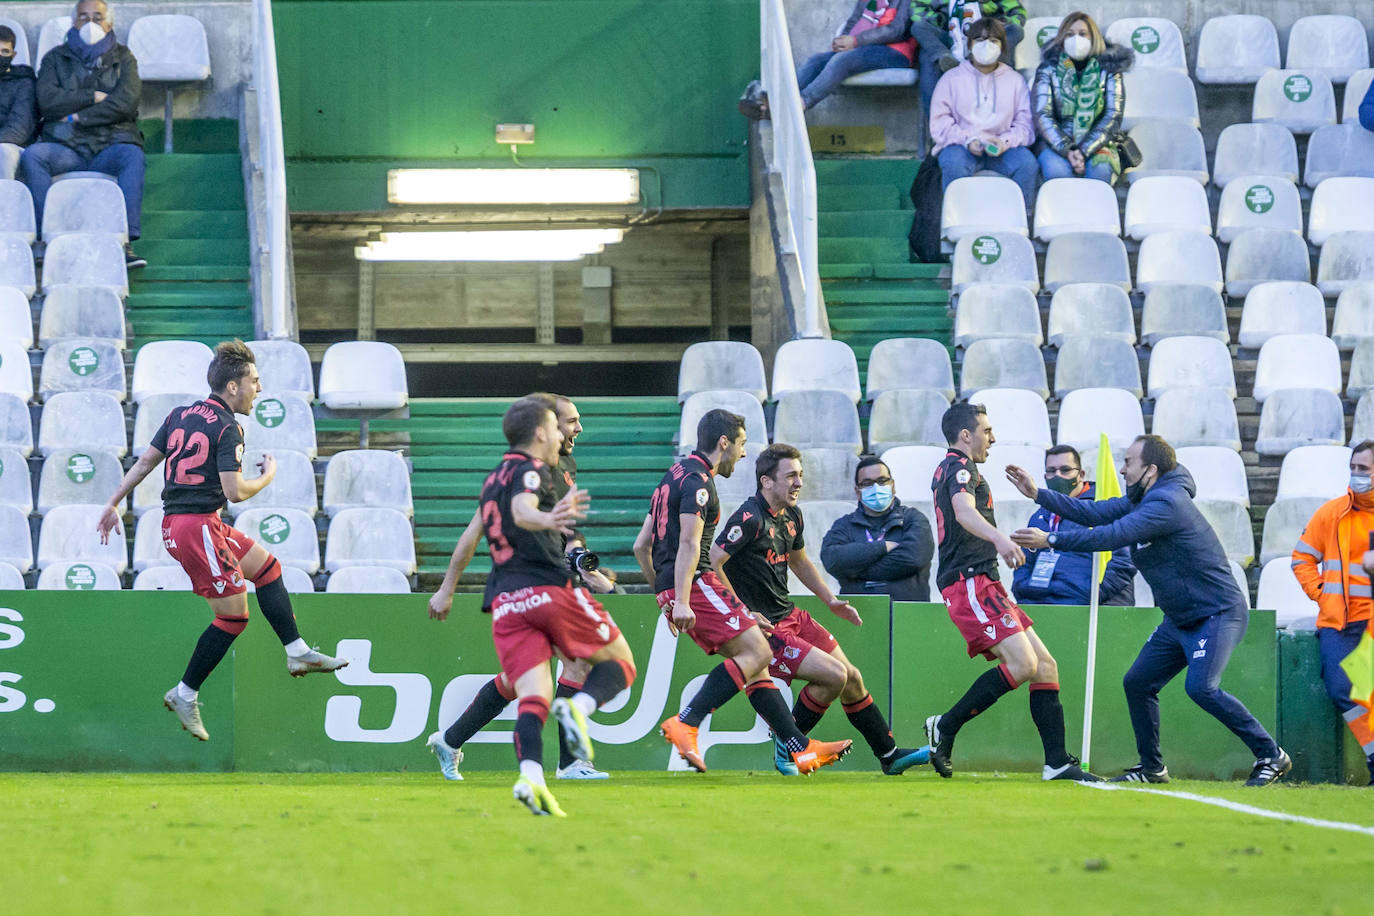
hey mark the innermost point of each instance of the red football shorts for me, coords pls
(529, 623)
(984, 613)
(209, 551)
(792, 640)
(720, 616)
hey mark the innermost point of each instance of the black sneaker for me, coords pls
(1138, 773)
(941, 747)
(1071, 771)
(1268, 769)
(131, 260)
(903, 759)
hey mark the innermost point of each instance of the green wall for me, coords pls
(372, 85)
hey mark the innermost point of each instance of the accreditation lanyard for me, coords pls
(1045, 561)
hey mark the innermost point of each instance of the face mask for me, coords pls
(92, 32)
(5, 64)
(876, 497)
(985, 53)
(1361, 483)
(1061, 484)
(1078, 46)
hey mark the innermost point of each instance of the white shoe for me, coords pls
(574, 727)
(581, 769)
(449, 758)
(313, 661)
(188, 712)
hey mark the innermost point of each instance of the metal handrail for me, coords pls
(276, 307)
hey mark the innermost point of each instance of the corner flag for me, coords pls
(1359, 667)
(1107, 487)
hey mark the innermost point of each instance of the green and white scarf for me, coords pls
(1081, 101)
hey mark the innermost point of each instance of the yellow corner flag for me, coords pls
(1359, 667)
(1108, 487)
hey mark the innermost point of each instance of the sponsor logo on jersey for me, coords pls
(991, 630)
(531, 480)
(734, 534)
(703, 497)
(963, 476)
(518, 602)
(238, 454)
(1200, 653)
(791, 652)
(1009, 621)
(791, 529)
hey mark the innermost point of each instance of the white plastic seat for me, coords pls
(1163, 94)
(1182, 310)
(68, 534)
(151, 414)
(1361, 377)
(162, 579)
(1355, 90)
(82, 365)
(885, 76)
(16, 319)
(1363, 427)
(16, 427)
(1314, 470)
(171, 367)
(997, 310)
(367, 477)
(981, 205)
(736, 401)
(818, 419)
(88, 312)
(1091, 309)
(741, 484)
(170, 49)
(717, 364)
(1086, 413)
(1018, 417)
(1341, 205)
(288, 534)
(279, 422)
(1169, 148)
(16, 544)
(71, 477)
(363, 375)
(1283, 525)
(1354, 319)
(1164, 203)
(1339, 151)
(1297, 361)
(828, 473)
(1231, 522)
(16, 375)
(1236, 49)
(11, 579)
(1178, 257)
(1280, 592)
(1258, 202)
(994, 257)
(1191, 362)
(21, 47)
(1346, 259)
(1300, 100)
(1334, 46)
(810, 364)
(50, 35)
(370, 537)
(1037, 31)
(994, 470)
(16, 205)
(85, 259)
(284, 368)
(909, 362)
(1158, 44)
(148, 494)
(1096, 362)
(149, 551)
(1219, 472)
(1255, 149)
(1294, 417)
(1086, 257)
(368, 580)
(297, 581)
(91, 205)
(1281, 308)
(292, 488)
(79, 576)
(913, 470)
(1196, 417)
(16, 487)
(1003, 364)
(907, 416)
(16, 263)
(1072, 205)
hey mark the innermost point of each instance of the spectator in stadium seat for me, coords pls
(1062, 576)
(874, 37)
(1078, 96)
(1367, 109)
(882, 547)
(980, 115)
(1332, 563)
(88, 94)
(940, 27)
(18, 117)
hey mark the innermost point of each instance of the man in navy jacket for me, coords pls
(1205, 614)
(882, 547)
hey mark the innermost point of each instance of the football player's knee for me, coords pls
(1023, 668)
(853, 678)
(231, 625)
(1047, 670)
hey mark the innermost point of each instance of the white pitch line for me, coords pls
(1237, 806)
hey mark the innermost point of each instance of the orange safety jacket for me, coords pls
(1327, 561)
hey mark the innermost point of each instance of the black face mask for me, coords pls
(5, 64)
(1064, 485)
(1135, 492)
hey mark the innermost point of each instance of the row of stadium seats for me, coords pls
(167, 47)
(101, 577)
(74, 204)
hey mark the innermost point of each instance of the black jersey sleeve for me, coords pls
(532, 478)
(229, 450)
(960, 479)
(740, 530)
(798, 543)
(696, 497)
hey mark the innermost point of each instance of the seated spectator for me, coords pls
(88, 93)
(883, 547)
(1367, 109)
(1059, 576)
(1077, 97)
(18, 117)
(980, 115)
(940, 28)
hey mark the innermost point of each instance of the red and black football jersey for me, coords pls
(962, 555)
(519, 557)
(759, 542)
(688, 488)
(564, 477)
(199, 441)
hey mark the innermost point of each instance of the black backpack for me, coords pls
(927, 196)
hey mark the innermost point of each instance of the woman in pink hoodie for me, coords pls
(980, 116)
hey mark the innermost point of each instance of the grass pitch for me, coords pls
(722, 842)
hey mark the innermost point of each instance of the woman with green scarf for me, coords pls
(1077, 99)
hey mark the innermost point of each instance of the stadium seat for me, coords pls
(83, 420)
(909, 362)
(1297, 361)
(1218, 472)
(297, 581)
(913, 469)
(1280, 592)
(981, 205)
(1236, 49)
(1346, 259)
(21, 46)
(1038, 30)
(818, 419)
(1086, 257)
(1086, 413)
(16, 543)
(1361, 378)
(284, 368)
(1294, 417)
(16, 318)
(809, 365)
(741, 484)
(1363, 427)
(1299, 100)
(1283, 525)
(795, 586)
(1144, 596)
(1231, 522)
(368, 580)
(149, 551)
(16, 209)
(828, 473)
(906, 416)
(92, 205)
(1281, 308)
(1333, 46)
(1013, 509)
(1072, 205)
(1158, 44)
(1255, 149)
(1169, 148)
(1339, 151)
(736, 401)
(85, 259)
(162, 579)
(16, 263)
(1178, 257)
(995, 257)
(88, 312)
(1018, 417)
(1159, 94)
(1027, 457)
(292, 488)
(1091, 309)
(1355, 90)
(1341, 205)
(1314, 470)
(1003, 364)
(171, 367)
(82, 365)
(16, 375)
(717, 364)
(1182, 310)
(1258, 202)
(819, 515)
(50, 35)
(367, 477)
(363, 375)
(1096, 362)
(1165, 203)
(289, 534)
(16, 487)
(1191, 362)
(70, 477)
(885, 76)
(11, 579)
(68, 535)
(79, 576)
(987, 310)
(172, 50)
(150, 415)
(370, 537)
(1354, 319)
(279, 422)
(16, 426)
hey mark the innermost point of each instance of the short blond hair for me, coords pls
(1099, 44)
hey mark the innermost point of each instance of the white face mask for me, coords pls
(1078, 46)
(91, 32)
(985, 53)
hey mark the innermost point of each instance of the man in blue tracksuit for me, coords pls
(1205, 614)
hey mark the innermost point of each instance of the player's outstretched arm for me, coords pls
(237, 488)
(966, 514)
(109, 518)
(561, 518)
(644, 549)
(684, 566)
(442, 600)
(806, 571)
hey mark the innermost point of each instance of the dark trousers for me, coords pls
(1334, 646)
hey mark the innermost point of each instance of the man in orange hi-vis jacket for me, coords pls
(1328, 563)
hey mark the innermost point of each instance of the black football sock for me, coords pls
(985, 691)
(565, 758)
(722, 683)
(769, 704)
(604, 681)
(529, 729)
(275, 603)
(487, 705)
(210, 649)
(806, 712)
(868, 720)
(1048, 715)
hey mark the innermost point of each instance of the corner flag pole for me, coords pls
(1107, 488)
